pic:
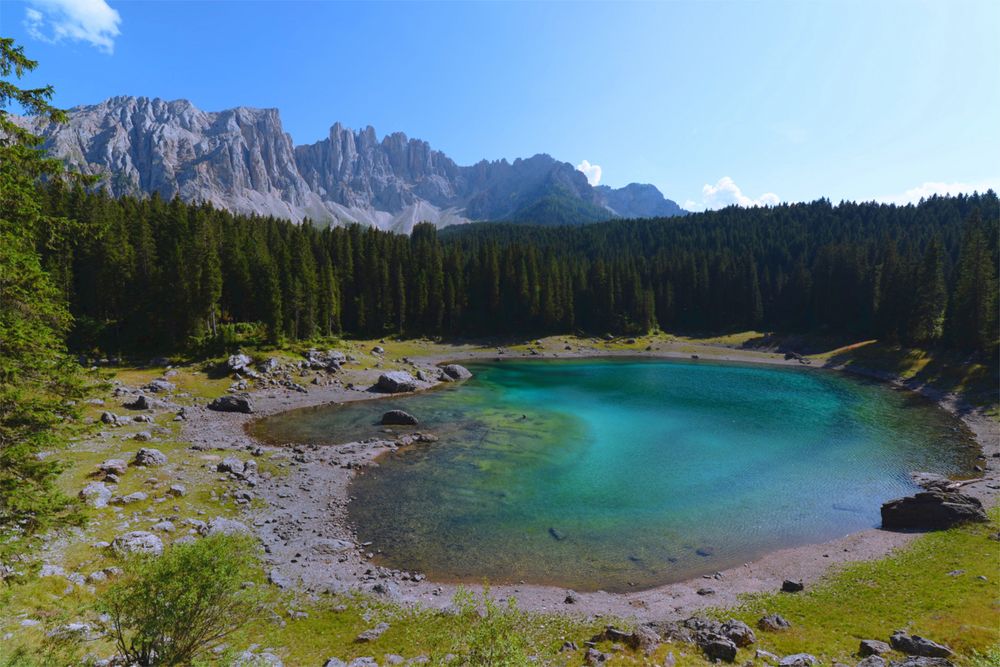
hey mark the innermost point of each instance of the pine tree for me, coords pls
(36, 377)
(931, 298)
(973, 321)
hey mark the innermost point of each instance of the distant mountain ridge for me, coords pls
(242, 160)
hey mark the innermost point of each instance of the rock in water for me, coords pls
(398, 417)
(396, 382)
(231, 404)
(456, 372)
(931, 510)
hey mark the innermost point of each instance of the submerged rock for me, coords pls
(398, 417)
(931, 510)
(456, 372)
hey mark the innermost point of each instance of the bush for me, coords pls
(495, 638)
(167, 610)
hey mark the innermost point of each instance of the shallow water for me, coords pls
(626, 474)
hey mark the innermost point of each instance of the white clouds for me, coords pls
(591, 171)
(726, 193)
(925, 190)
(91, 21)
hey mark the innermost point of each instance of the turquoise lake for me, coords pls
(617, 475)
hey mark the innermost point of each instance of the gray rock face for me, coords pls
(398, 418)
(242, 160)
(232, 404)
(637, 200)
(931, 510)
(395, 382)
(137, 542)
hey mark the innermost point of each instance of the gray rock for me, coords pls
(143, 436)
(365, 661)
(398, 418)
(395, 382)
(140, 403)
(766, 656)
(872, 661)
(917, 645)
(873, 647)
(738, 632)
(798, 660)
(932, 510)
(137, 542)
(456, 372)
(238, 362)
(222, 526)
(773, 623)
(230, 464)
(250, 658)
(232, 403)
(177, 490)
(594, 657)
(716, 647)
(160, 386)
(96, 494)
(164, 526)
(148, 456)
(372, 634)
(113, 467)
(922, 661)
(334, 662)
(129, 499)
(789, 586)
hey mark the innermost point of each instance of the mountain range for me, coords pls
(242, 160)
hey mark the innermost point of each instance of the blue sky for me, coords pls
(712, 102)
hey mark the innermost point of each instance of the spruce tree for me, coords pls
(36, 377)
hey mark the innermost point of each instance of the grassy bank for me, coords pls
(916, 589)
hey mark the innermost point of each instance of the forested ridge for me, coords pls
(146, 274)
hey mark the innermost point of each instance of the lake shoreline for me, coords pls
(310, 543)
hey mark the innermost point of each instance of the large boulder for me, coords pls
(147, 456)
(395, 382)
(232, 404)
(230, 464)
(873, 647)
(137, 542)
(398, 418)
(931, 510)
(456, 372)
(917, 645)
(238, 362)
(96, 494)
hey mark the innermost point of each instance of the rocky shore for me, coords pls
(300, 513)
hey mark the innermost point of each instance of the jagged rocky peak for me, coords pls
(241, 159)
